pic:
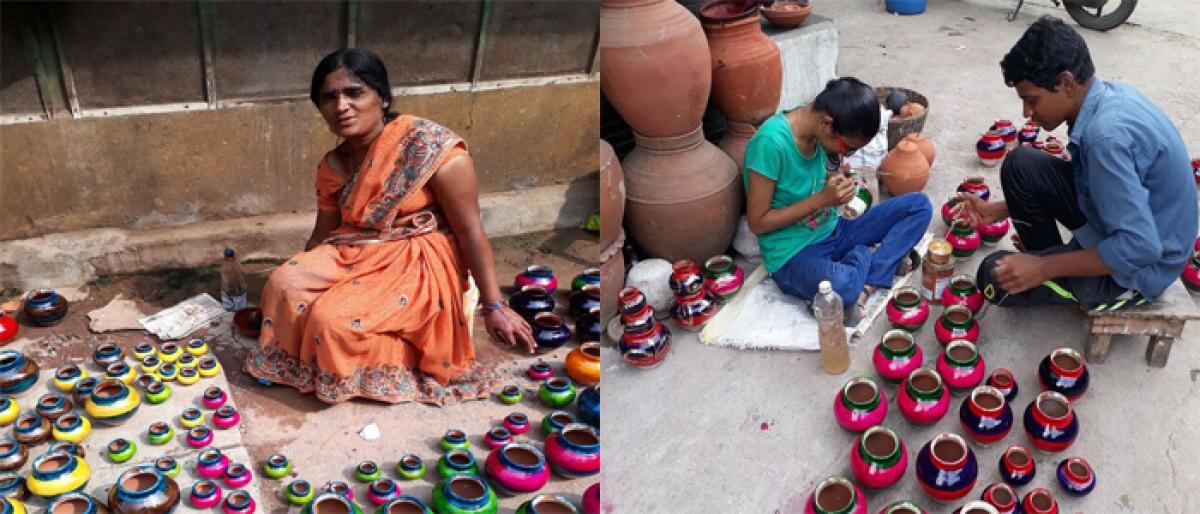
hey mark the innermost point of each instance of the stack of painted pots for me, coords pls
(645, 341)
(694, 303)
(658, 76)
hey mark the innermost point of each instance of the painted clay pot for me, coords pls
(239, 501)
(457, 461)
(107, 354)
(186, 361)
(961, 366)
(976, 507)
(1029, 132)
(904, 169)
(120, 450)
(1075, 476)
(1002, 379)
(583, 363)
(51, 406)
(923, 398)
(54, 474)
(12, 454)
(1050, 423)
(723, 278)
(410, 467)
(497, 437)
(976, 186)
(860, 404)
(237, 476)
(382, 490)
(902, 507)
(299, 492)
(65, 378)
(71, 427)
(747, 73)
(329, 502)
(454, 439)
(737, 137)
(588, 326)
(1053, 148)
(31, 429)
(142, 349)
(557, 392)
(1002, 497)
(157, 392)
(196, 347)
(589, 277)
(991, 148)
(556, 420)
(404, 504)
(531, 301)
(339, 488)
(1039, 501)
(511, 394)
(574, 451)
(464, 493)
(1007, 132)
(694, 311)
(188, 376)
(985, 417)
(956, 324)
(583, 301)
(947, 208)
(962, 291)
(9, 410)
(540, 370)
(112, 403)
(836, 495)
(169, 352)
(669, 176)
(226, 417)
(277, 466)
(636, 312)
(191, 417)
(45, 307)
(214, 397)
(67, 447)
(208, 366)
(75, 503)
(122, 372)
(205, 494)
(1064, 372)
(992, 233)
(589, 406)
(657, 67)
(517, 468)
(924, 144)
(544, 504)
(907, 310)
(963, 239)
(150, 364)
(517, 423)
(168, 466)
(549, 331)
(537, 275)
(591, 499)
(878, 458)
(12, 486)
(211, 463)
(686, 278)
(1017, 466)
(8, 327)
(83, 389)
(645, 347)
(17, 374)
(1191, 273)
(946, 468)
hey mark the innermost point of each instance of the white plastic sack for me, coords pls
(745, 243)
(869, 157)
(652, 277)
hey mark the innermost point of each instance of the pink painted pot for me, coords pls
(896, 355)
(907, 310)
(923, 398)
(497, 437)
(878, 458)
(992, 233)
(961, 366)
(836, 494)
(517, 468)
(574, 451)
(956, 324)
(537, 275)
(860, 404)
(1191, 273)
(591, 499)
(962, 291)
(963, 238)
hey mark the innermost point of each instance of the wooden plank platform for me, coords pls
(1162, 321)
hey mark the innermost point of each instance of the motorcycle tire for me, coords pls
(1087, 18)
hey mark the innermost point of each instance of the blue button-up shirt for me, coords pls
(1134, 184)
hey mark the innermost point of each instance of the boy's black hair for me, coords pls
(363, 64)
(852, 105)
(1048, 48)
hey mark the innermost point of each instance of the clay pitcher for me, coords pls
(657, 70)
(924, 145)
(904, 169)
(747, 73)
(612, 195)
(684, 197)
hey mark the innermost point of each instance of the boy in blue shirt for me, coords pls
(1127, 194)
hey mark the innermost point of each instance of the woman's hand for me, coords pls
(838, 190)
(508, 327)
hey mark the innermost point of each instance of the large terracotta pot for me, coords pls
(684, 197)
(747, 73)
(612, 276)
(612, 195)
(904, 169)
(655, 61)
(737, 136)
(924, 144)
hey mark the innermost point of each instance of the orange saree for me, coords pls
(376, 311)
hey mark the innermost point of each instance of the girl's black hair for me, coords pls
(852, 105)
(1048, 48)
(363, 64)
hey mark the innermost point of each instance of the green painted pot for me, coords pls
(556, 420)
(544, 503)
(464, 493)
(277, 466)
(299, 492)
(367, 472)
(457, 461)
(410, 467)
(331, 502)
(121, 450)
(557, 392)
(454, 440)
(160, 433)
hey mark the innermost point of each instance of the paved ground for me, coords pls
(722, 430)
(321, 440)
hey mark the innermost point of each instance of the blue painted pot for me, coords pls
(17, 374)
(588, 326)
(589, 406)
(584, 300)
(549, 331)
(531, 301)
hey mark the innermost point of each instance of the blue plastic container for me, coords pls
(905, 6)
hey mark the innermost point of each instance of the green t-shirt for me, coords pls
(772, 153)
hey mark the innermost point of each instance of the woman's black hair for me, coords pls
(363, 64)
(1048, 48)
(852, 105)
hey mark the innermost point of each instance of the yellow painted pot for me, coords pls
(71, 427)
(66, 376)
(9, 410)
(112, 403)
(57, 473)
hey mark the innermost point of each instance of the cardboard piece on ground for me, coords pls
(119, 314)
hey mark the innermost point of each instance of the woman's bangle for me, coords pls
(489, 308)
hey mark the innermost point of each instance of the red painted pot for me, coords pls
(991, 148)
(896, 355)
(878, 458)
(961, 366)
(962, 291)
(956, 324)
(976, 186)
(860, 404)
(992, 233)
(963, 238)
(907, 310)
(923, 398)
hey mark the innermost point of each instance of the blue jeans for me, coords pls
(845, 258)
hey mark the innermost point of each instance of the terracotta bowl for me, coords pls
(248, 322)
(900, 127)
(787, 15)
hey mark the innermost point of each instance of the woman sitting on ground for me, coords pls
(374, 307)
(794, 186)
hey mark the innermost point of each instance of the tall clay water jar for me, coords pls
(747, 73)
(656, 65)
(737, 136)
(612, 195)
(612, 276)
(684, 196)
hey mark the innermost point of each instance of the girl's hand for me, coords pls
(508, 327)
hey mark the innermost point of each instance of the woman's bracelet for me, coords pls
(489, 308)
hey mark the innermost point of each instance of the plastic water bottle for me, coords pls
(233, 283)
(827, 307)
